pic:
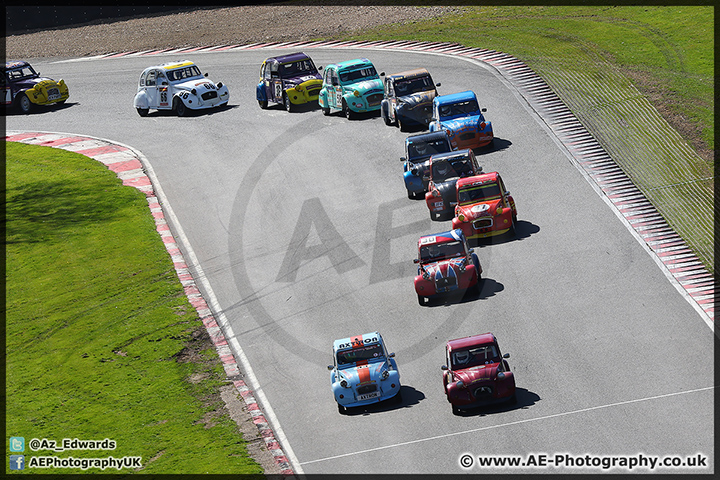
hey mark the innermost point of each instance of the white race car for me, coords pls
(178, 87)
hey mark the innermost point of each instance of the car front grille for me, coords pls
(363, 389)
(208, 95)
(445, 282)
(313, 91)
(483, 223)
(467, 136)
(484, 391)
(374, 99)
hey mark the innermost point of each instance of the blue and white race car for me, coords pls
(460, 115)
(363, 372)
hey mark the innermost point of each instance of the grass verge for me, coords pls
(606, 60)
(101, 341)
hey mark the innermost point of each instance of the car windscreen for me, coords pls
(300, 67)
(21, 73)
(474, 356)
(413, 85)
(426, 148)
(366, 352)
(479, 193)
(180, 74)
(364, 73)
(441, 251)
(459, 109)
(444, 170)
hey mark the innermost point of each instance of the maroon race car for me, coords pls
(476, 373)
(446, 265)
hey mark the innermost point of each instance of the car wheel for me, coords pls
(263, 104)
(512, 233)
(384, 114)
(456, 410)
(475, 289)
(180, 108)
(286, 102)
(325, 110)
(411, 195)
(143, 111)
(400, 124)
(349, 114)
(25, 104)
(341, 409)
(421, 300)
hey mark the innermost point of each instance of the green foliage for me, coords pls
(97, 324)
(668, 51)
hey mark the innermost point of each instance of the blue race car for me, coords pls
(463, 119)
(418, 150)
(363, 372)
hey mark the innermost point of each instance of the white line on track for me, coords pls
(509, 424)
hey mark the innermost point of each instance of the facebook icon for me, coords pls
(17, 462)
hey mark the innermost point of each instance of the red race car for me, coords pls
(445, 170)
(485, 208)
(446, 265)
(476, 373)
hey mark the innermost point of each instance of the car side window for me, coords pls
(150, 80)
(328, 76)
(161, 78)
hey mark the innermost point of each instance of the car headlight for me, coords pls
(461, 217)
(356, 93)
(385, 374)
(343, 383)
(460, 384)
(219, 85)
(194, 92)
(499, 210)
(299, 88)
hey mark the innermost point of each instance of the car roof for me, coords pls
(442, 237)
(482, 178)
(466, 152)
(472, 340)
(350, 64)
(17, 64)
(455, 97)
(418, 72)
(290, 57)
(357, 341)
(172, 65)
(427, 136)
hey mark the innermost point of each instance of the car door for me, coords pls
(265, 78)
(276, 93)
(331, 80)
(392, 101)
(163, 87)
(151, 89)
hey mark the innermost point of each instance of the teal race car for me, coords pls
(353, 86)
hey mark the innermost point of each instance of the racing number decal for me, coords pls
(338, 97)
(163, 96)
(8, 96)
(278, 90)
